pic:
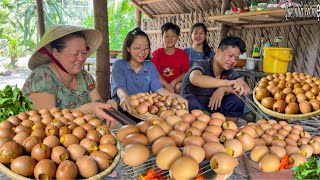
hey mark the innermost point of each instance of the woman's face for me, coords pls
(73, 56)
(198, 36)
(139, 49)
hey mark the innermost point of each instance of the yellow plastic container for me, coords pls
(275, 60)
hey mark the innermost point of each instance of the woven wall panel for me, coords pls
(184, 21)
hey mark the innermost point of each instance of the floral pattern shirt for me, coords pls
(42, 79)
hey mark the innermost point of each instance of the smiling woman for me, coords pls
(58, 78)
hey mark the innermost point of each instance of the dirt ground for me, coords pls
(17, 75)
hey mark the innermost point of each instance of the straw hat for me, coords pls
(93, 40)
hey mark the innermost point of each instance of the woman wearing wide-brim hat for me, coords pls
(58, 78)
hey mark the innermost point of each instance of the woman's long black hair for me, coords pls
(206, 48)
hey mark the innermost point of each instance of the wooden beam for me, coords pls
(138, 18)
(281, 24)
(165, 15)
(141, 9)
(41, 25)
(100, 9)
(226, 4)
(150, 1)
(181, 30)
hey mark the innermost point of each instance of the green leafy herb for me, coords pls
(12, 102)
(308, 170)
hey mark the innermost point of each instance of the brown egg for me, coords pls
(195, 152)
(287, 127)
(250, 130)
(59, 154)
(126, 130)
(79, 132)
(315, 138)
(181, 112)
(102, 159)
(306, 150)
(297, 159)
(52, 130)
(230, 125)
(197, 112)
(69, 139)
(258, 152)
(23, 116)
(64, 130)
(302, 141)
(51, 141)
(89, 117)
(279, 106)
(76, 151)
(265, 126)
(87, 126)
(103, 130)
(301, 98)
(209, 137)
(153, 133)
(193, 131)
(30, 142)
(262, 121)
(67, 170)
(87, 166)
(160, 143)
(269, 163)
(189, 118)
(89, 145)
(93, 135)
(45, 169)
(284, 132)
(184, 168)
(227, 134)
(211, 148)
(20, 137)
(315, 146)
(287, 91)
(217, 130)
(40, 151)
(77, 113)
(182, 126)
(261, 93)
(223, 163)
(271, 131)
(279, 136)
(57, 123)
(69, 116)
(292, 108)
(278, 142)
(35, 118)
(290, 149)
(305, 107)
(79, 121)
(14, 120)
(315, 104)
(23, 165)
(199, 125)
(9, 151)
(110, 149)
(167, 156)
(195, 140)
(295, 131)
(7, 133)
(233, 147)
(204, 118)
(173, 120)
(134, 139)
(290, 141)
(6, 125)
(135, 154)
(218, 115)
(277, 150)
(215, 122)
(165, 127)
(258, 141)
(246, 140)
(142, 108)
(177, 136)
(4, 140)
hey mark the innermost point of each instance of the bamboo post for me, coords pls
(138, 18)
(41, 25)
(141, 9)
(226, 4)
(100, 8)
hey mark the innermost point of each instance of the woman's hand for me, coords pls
(180, 99)
(216, 98)
(97, 108)
(124, 103)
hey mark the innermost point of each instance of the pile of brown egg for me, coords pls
(273, 140)
(289, 93)
(181, 141)
(153, 103)
(49, 144)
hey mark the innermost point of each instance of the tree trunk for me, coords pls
(13, 60)
(100, 8)
(41, 25)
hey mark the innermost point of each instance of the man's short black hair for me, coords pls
(232, 41)
(170, 26)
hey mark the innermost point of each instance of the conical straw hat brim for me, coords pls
(93, 40)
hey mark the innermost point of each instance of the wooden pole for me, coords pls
(141, 9)
(282, 24)
(100, 8)
(138, 18)
(41, 25)
(226, 4)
